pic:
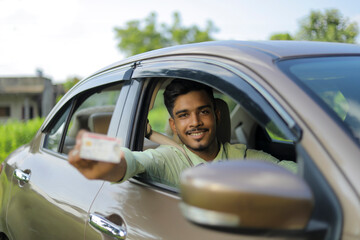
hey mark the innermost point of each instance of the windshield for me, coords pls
(335, 81)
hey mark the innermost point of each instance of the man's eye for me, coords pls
(183, 115)
(205, 112)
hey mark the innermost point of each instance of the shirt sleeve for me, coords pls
(163, 164)
(256, 154)
(133, 167)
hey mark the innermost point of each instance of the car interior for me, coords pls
(236, 125)
(93, 113)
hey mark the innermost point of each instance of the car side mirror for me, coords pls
(245, 195)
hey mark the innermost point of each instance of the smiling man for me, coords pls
(193, 118)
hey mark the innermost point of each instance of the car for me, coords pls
(295, 100)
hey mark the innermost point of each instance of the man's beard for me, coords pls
(201, 148)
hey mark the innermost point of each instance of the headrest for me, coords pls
(99, 122)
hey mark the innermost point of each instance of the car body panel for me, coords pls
(131, 200)
(55, 194)
(63, 199)
(249, 53)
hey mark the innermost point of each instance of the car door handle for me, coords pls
(108, 227)
(22, 176)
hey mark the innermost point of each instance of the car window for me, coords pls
(53, 138)
(92, 112)
(237, 126)
(158, 115)
(334, 83)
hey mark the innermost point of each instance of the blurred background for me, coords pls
(63, 39)
(47, 46)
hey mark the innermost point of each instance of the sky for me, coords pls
(67, 38)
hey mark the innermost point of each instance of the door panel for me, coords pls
(53, 203)
(148, 213)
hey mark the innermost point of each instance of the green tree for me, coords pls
(68, 84)
(281, 36)
(329, 26)
(140, 36)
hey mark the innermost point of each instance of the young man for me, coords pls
(193, 118)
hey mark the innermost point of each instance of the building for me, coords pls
(24, 98)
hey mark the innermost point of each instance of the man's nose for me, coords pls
(195, 120)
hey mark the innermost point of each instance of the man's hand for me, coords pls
(91, 169)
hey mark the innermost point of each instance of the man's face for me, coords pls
(194, 121)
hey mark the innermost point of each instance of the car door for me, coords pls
(49, 198)
(141, 209)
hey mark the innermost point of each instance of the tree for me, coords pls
(140, 36)
(281, 36)
(68, 84)
(330, 27)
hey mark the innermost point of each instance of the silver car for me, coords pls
(297, 101)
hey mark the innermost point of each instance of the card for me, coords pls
(100, 148)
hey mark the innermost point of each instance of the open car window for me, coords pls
(237, 120)
(91, 111)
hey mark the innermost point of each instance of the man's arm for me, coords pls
(256, 154)
(163, 164)
(112, 172)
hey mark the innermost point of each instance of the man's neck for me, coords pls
(209, 154)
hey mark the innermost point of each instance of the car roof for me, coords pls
(248, 51)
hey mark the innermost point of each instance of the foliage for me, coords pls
(140, 36)
(68, 84)
(330, 26)
(159, 116)
(281, 36)
(14, 134)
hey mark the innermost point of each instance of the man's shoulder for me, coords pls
(235, 151)
(164, 147)
(169, 150)
(235, 146)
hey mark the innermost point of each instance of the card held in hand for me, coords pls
(100, 148)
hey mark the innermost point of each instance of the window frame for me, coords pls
(7, 110)
(149, 72)
(80, 93)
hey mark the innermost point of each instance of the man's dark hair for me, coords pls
(180, 87)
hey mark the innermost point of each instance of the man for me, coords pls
(193, 118)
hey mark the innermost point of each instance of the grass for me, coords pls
(15, 133)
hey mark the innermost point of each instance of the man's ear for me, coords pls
(172, 125)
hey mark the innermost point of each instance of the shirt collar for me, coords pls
(198, 160)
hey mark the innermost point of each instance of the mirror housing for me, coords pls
(247, 194)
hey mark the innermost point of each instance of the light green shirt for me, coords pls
(165, 163)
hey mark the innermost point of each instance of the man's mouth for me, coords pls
(196, 132)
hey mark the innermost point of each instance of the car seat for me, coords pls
(99, 122)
